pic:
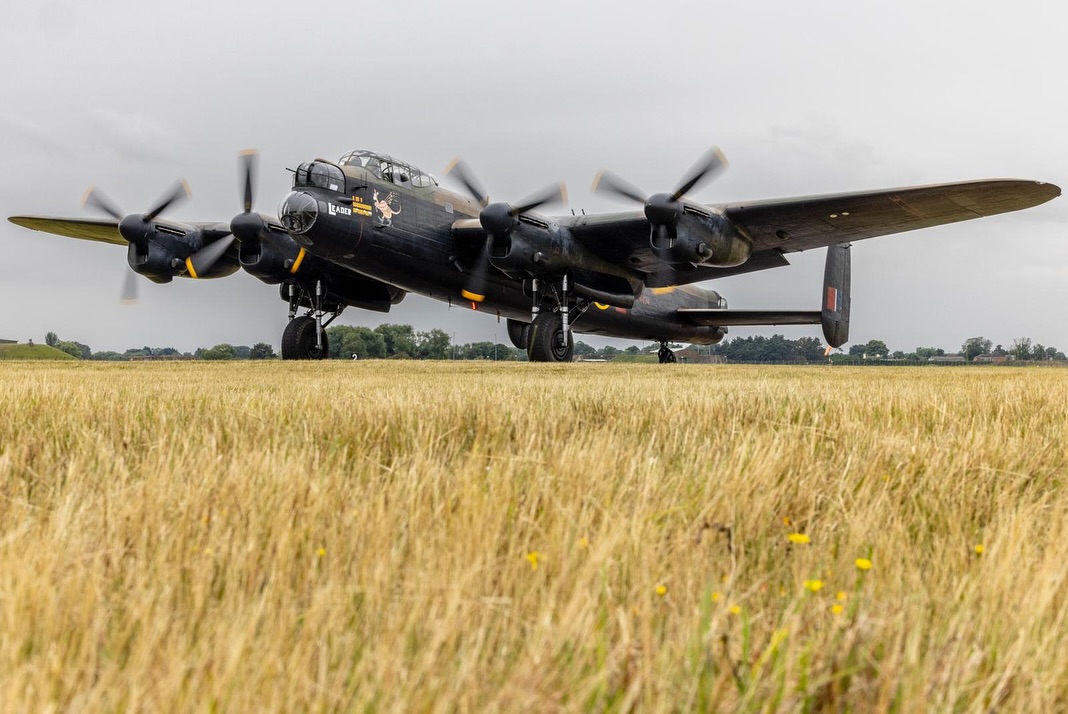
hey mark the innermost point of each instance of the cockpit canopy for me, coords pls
(388, 169)
(321, 174)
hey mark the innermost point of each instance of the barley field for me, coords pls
(399, 536)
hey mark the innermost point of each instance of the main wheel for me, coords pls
(546, 341)
(298, 340)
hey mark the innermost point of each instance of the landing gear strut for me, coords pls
(665, 354)
(549, 337)
(305, 336)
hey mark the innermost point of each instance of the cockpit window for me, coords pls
(322, 175)
(389, 169)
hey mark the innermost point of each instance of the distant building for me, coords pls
(8, 342)
(946, 359)
(992, 359)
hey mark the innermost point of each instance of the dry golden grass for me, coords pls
(411, 536)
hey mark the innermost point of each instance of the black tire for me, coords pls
(518, 333)
(298, 340)
(546, 341)
(667, 356)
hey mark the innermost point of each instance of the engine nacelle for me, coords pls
(272, 258)
(709, 239)
(161, 256)
(535, 247)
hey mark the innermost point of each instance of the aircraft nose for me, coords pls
(298, 212)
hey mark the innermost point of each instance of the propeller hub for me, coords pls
(497, 218)
(246, 227)
(135, 229)
(662, 209)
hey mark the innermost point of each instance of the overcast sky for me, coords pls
(803, 97)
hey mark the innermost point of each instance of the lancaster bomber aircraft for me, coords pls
(368, 229)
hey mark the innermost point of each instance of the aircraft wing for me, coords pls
(102, 230)
(788, 225)
(804, 223)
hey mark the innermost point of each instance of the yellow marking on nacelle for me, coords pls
(473, 297)
(665, 291)
(189, 267)
(298, 261)
(600, 306)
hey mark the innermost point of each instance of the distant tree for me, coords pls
(975, 346)
(999, 350)
(898, 354)
(926, 353)
(1038, 352)
(608, 351)
(51, 339)
(261, 350)
(1051, 353)
(584, 350)
(399, 340)
(633, 350)
(810, 349)
(109, 356)
(242, 351)
(70, 348)
(1021, 348)
(876, 348)
(856, 350)
(432, 345)
(346, 341)
(218, 352)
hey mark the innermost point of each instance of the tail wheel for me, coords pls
(546, 340)
(298, 340)
(666, 355)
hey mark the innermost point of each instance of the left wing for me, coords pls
(103, 230)
(788, 225)
(818, 221)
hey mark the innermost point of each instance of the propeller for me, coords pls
(497, 219)
(134, 227)
(663, 210)
(246, 226)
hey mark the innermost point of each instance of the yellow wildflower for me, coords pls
(584, 543)
(716, 596)
(735, 610)
(533, 556)
(842, 595)
(321, 552)
(661, 590)
(799, 538)
(837, 608)
(813, 585)
(862, 563)
(786, 520)
(979, 548)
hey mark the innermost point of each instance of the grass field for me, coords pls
(32, 352)
(417, 536)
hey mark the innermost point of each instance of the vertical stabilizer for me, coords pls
(834, 315)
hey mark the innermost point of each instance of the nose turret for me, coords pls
(298, 212)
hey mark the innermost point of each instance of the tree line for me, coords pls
(392, 341)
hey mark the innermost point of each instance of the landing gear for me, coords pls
(299, 341)
(305, 336)
(548, 337)
(665, 354)
(548, 341)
